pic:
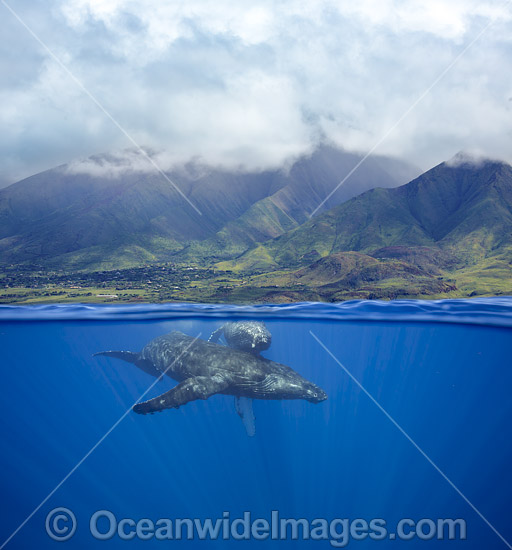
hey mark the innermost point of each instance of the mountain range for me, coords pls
(447, 232)
(87, 221)
(450, 227)
(76, 220)
(463, 213)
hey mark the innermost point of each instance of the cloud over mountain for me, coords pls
(245, 84)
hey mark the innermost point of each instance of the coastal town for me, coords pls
(156, 282)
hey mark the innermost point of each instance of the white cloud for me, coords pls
(447, 20)
(249, 84)
(472, 158)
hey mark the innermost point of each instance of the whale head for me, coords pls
(250, 336)
(260, 337)
(313, 393)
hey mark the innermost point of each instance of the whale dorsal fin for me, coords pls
(245, 411)
(216, 334)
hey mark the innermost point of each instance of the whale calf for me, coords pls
(251, 336)
(203, 369)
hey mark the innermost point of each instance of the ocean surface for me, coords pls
(417, 426)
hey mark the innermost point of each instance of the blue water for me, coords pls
(439, 371)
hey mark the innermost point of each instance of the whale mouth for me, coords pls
(320, 398)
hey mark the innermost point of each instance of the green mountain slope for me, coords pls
(447, 233)
(463, 214)
(61, 218)
(55, 215)
(309, 181)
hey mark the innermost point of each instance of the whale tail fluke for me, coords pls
(135, 358)
(127, 356)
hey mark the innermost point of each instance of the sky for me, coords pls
(251, 84)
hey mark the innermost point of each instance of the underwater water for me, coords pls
(417, 426)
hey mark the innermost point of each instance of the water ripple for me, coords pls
(481, 311)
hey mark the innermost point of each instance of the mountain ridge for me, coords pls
(440, 208)
(60, 218)
(446, 233)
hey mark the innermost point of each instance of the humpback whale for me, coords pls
(203, 369)
(251, 336)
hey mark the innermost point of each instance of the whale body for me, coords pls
(203, 369)
(250, 336)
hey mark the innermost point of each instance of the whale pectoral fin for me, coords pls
(135, 358)
(245, 411)
(196, 387)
